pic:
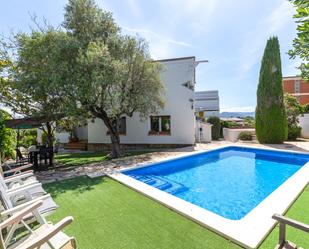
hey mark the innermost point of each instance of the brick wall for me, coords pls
(289, 87)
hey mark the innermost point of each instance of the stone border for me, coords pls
(249, 231)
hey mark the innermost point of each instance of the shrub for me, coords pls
(271, 121)
(293, 110)
(28, 138)
(294, 132)
(306, 108)
(7, 138)
(245, 136)
(216, 127)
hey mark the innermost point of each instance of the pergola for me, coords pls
(30, 122)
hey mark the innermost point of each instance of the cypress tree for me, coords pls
(270, 120)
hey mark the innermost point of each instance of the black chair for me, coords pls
(20, 159)
(46, 154)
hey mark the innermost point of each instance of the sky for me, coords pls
(230, 34)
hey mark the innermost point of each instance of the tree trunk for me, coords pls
(115, 144)
(49, 135)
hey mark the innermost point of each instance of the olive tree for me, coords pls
(114, 75)
(36, 75)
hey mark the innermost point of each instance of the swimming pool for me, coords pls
(232, 190)
(229, 182)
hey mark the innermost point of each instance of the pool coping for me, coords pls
(249, 231)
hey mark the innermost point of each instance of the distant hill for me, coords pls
(236, 114)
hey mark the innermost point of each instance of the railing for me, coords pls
(283, 221)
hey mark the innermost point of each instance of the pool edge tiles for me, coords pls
(248, 231)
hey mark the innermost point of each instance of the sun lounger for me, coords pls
(46, 236)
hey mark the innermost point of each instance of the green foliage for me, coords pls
(37, 74)
(293, 110)
(7, 138)
(300, 43)
(216, 127)
(271, 121)
(306, 108)
(294, 132)
(113, 74)
(245, 136)
(28, 138)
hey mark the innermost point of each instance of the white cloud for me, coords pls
(238, 109)
(134, 7)
(160, 46)
(291, 69)
(255, 41)
(197, 14)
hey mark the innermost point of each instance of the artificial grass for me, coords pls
(110, 215)
(84, 158)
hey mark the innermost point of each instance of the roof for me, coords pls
(22, 123)
(176, 59)
(292, 77)
(31, 122)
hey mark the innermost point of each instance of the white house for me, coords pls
(172, 126)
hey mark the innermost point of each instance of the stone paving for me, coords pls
(110, 166)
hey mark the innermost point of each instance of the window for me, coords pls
(122, 126)
(297, 86)
(160, 125)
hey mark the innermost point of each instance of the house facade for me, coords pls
(172, 126)
(297, 87)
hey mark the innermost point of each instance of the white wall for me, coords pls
(203, 132)
(62, 137)
(233, 134)
(177, 105)
(82, 132)
(304, 123)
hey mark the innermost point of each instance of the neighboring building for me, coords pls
(297, 87)
(207, 103)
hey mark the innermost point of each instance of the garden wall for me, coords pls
(304, 124)
(233, 134)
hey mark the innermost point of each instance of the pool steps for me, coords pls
(168, 186)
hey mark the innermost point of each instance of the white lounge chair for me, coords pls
(46, 236)
(17, 197)
(12, 170)
(19, 179)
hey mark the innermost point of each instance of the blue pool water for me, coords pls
(229, 182)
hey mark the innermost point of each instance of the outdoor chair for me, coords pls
(20, 159)
(8, 169)
(44, 236)
(46, 154)
(283, 221)
(17, 187)
(18, 198)
(19, 180)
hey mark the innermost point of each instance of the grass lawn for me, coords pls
(78, 159)
(110, 215)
